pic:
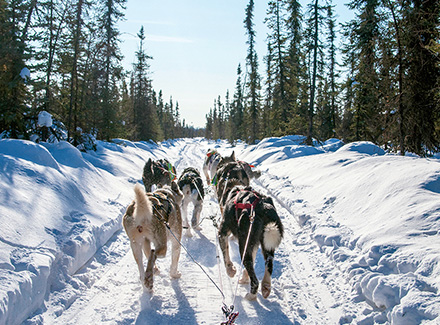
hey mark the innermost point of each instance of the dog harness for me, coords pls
(213, 156)
(168, 168)
(211, 152)
(214, 180)
(161, 207)
(246, 206)
(245, 163)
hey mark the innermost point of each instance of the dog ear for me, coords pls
(174, 186)
(233, 155)
(149, 164)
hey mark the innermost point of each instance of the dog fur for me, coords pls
(210, 164)
(191, 184)
(158, 172)
(225, 174)
(224, 160)
(144, 223)
(267, 231)
(248, 168)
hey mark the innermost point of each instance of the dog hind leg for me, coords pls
(147, 250)
(184, 213)
(148, 281)
(266, 282)
(248, 262)
(136, 248)
(196, 215)
(224, 245)
(175, 255)
(245, 276)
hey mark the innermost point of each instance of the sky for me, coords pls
(196, 47)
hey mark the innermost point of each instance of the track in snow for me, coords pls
(307, 287)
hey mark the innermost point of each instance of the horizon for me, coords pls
(195, 65)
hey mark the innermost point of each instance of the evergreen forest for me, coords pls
(380, 84)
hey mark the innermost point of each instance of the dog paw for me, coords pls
(250, 296)
(175, 275)
(265, 290)
(188, 233)
(231, 270)
(244, 278)
(148, 280)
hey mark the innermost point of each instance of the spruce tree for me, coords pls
(276, 61)
(253, 84)
(237, 108)
(145, 115)
(13, 91)
(422, 87)
(109, 64)
(366, 35)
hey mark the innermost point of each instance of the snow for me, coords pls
(44, 119)
(361, 242)
(25, 74)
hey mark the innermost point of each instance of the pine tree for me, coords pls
(297, 69)
(421, 36)
(253, 85)
(315, 48)
(73, 110)
(13, 91)
(109, 65)
(366, 35)
(237, 109)
(276, 62)
(51, 22)
(333, 113)
(268, 120)
(145, 115)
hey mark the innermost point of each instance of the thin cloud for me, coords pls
(156, 38)
(168, 39)
(150, 22)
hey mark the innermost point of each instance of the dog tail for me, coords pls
(143, 209)
(272, 236)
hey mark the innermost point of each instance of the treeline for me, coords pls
(72, 51)
(380, 85)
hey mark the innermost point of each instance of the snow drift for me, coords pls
(375, 215)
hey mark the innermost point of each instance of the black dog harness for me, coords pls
(161, 207)
(167, 168)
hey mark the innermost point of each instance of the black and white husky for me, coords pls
(251, 217)
(210, 164)
(191, 185)
(158, 172)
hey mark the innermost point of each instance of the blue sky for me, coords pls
(196, 47)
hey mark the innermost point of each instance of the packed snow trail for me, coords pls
(307, 287)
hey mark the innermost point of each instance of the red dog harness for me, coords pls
(246, 206)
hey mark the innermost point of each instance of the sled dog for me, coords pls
(191, 184)
(248, 169)
(145, 223)
(158, 172)
(245, 165)
(248, 214)
(225, 175)
(224, 160)
(210, 164)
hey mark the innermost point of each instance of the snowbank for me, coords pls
(377, 215)
(58, 206)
